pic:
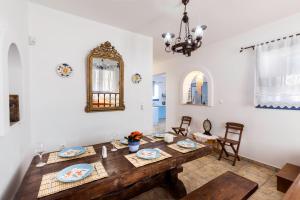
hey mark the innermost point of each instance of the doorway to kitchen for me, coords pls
(159, 102)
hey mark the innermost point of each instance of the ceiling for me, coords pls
(224, 18)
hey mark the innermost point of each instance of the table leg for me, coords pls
(174, 185)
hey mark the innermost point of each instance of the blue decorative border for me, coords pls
(278, 107)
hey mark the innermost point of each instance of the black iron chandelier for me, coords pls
(192, 39)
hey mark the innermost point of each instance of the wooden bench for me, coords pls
(286, 176)
(227, 186)
(294, 191)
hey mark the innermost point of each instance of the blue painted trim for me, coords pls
(278, 107)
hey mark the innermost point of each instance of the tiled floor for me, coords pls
(200, 171)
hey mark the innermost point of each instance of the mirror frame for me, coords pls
(106, 51)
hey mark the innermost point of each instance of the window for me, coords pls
(278, 75)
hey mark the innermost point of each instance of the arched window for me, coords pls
(195, 89)
(15, 82)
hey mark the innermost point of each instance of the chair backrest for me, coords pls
(234, 128)
(185, 121)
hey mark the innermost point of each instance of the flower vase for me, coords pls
(134, 146)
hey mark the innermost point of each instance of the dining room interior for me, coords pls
(139, 99)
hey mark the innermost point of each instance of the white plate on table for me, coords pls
(148, 154)
(75, 173)
(189, 144)
(71, 152)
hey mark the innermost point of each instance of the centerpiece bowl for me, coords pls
(134, 141)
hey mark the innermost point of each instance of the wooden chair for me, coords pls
(236, 129)
(185, 123)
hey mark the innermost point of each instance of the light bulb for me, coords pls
(198, 32)
(168, 38)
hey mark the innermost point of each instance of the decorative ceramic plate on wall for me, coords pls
(136, 78)
(64, 70)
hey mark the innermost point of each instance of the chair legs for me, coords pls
(222, 150)
(235, 151)
(178, 131)
(175, 130)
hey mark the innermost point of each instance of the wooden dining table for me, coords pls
(124, 180)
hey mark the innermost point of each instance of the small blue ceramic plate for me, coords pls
(187, 144)
(159, 135)
(71, 152)
(148, 154)
(124, 141)
(75, 173)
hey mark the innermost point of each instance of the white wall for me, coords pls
(270, 136)
(14, 140)
(58, 115)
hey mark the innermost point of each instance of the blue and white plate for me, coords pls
(71, 152)
(124, 141)
(148, 154)
(187, 144)
(75, 173)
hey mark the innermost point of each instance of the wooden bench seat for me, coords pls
(286, 176)
(228, 186)
(293, 192)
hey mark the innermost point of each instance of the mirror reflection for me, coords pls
(105, 79)
(105, 83)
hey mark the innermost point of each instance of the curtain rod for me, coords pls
(253, 46)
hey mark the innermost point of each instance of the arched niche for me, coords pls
(197, 89)
(14, 82)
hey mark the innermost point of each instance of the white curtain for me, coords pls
(106, 80)
(278, 74)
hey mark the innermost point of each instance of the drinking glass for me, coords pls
(189, 131)
(39, 150)
(114, 140)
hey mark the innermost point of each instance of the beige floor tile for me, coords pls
(192, 181)
(207, 159)
(210, 171)
(194, 165)
(255, 173)
(267, 194)
(227, 165)
(200, 171)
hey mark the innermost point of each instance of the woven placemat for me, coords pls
(50, 185)
(185, 150)
(54, 158)
(156, 139)
(139, 162)
(119, 145)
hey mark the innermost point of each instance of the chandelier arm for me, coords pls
(188, 27)
(179, 35)
(187, 30)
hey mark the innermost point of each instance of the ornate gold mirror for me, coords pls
(105, 79)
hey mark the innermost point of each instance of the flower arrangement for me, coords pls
(135, 136)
